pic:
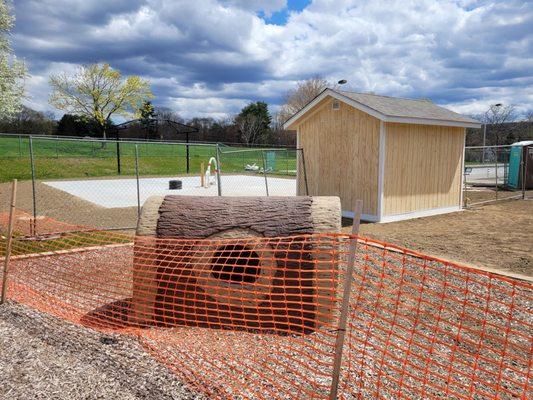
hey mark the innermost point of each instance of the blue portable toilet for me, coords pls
(519, 151)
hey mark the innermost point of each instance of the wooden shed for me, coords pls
(403, 157)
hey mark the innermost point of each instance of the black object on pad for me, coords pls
(174, 184)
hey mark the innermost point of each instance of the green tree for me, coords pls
(147, 111)
(12, 71)
(98, 91)
(253, 123)
(147, 119)
(77, 125)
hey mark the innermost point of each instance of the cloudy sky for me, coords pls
(209, 58)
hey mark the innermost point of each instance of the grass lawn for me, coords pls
(63, 159)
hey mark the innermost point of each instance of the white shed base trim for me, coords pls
(364, 217)
(419, 214)
(404, 216)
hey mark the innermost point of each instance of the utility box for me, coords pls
(521, 165)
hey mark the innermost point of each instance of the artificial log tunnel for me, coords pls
(236, 262)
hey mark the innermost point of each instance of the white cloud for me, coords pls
(208, 57)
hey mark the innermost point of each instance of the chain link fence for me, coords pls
(86, 180)
(495, 173)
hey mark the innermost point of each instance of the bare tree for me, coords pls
(251, 128)
(495, 117)
(296, 99)
(165, 113)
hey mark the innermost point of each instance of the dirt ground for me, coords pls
(67, 208)
(498, 235)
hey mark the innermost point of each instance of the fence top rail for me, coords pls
(259, 149)
(98, 140)
(141, 141)
(488, 147)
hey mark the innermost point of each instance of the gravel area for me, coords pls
(46, 358)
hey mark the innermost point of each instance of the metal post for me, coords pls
(305, 172)
(219, 181)
(341, 331)
(265, 171)
(496, 170)
(187, 151)
(20, 146)
(287, 160)
(524, 158)
(137, 179)
(118, 155)
(484, 140)
(9, 240)
(465, 191)
(33, 224)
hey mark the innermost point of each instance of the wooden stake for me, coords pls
(341, 332)
(9, 240)
(202, 175)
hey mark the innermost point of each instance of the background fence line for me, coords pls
(487, 175)
(63, 173)
(263, 171)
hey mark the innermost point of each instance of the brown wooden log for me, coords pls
(294, 288)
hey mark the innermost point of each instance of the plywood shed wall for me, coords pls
(341, 150)
(422, 168)
(400, 170)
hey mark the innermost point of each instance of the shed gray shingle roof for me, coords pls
(406, 108)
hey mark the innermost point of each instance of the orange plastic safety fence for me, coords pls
(259, 317)
(421, 327)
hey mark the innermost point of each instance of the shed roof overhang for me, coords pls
(291, 123)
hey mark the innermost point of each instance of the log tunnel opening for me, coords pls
(235, 263)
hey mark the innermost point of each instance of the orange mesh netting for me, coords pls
(259, 317)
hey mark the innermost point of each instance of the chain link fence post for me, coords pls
(265, 171)
(287, 161)
(219, 169)
(304, 171)
(137, 181)
(523, 163)
(33, 225)
(496, 170)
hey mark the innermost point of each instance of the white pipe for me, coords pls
(208, 171)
